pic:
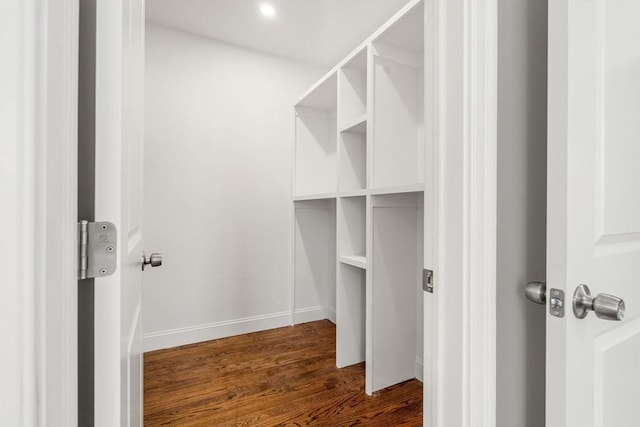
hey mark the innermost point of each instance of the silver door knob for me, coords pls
(154, 260)
(605, 306)
(536, 292)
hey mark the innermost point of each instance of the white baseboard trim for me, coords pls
(309, 314)
(330, 314)
(211, 331)
(419, 369)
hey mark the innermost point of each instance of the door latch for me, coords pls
(427, 280)
(97, 249)
(537, 292)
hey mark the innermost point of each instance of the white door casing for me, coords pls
(461, 389)
(38, 256)
(593, 237)
(119, 197)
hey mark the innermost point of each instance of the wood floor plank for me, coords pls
(280, 377)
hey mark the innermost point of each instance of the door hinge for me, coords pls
(97, 249)
(427, 280)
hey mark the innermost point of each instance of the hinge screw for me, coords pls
(103, 271)
(109, 249)
(103, 227)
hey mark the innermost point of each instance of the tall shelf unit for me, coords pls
(358, 202)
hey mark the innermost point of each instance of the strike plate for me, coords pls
(98, 249)
(556, 302)
(427, 280)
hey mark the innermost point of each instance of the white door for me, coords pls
(593, 365)
(119, 156)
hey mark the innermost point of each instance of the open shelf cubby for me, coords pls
(397, 108)
(351, 318)
(394, 345)
(315, 260)
(352, 123)
(352, 231)
(352, 90)
(315, 140)
(352, 169)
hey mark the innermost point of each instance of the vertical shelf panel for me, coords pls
(315, 260)
(350, 329)
(396, 261)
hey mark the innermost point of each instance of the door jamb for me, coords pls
(464, 390)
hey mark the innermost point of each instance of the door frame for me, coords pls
(465, 148)
(465, 212)
(38, 128)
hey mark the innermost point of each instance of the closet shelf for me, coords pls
(358, 125)
(320, 196)
(411, 188)
(354, 260)
(353, 193)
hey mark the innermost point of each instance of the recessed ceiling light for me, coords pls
(267, 10)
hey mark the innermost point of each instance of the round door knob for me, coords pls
(605, 306)
(536, 292)
(154, 260)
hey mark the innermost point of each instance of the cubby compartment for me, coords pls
(352, 231)
(352, 91)
(351, 318)
(352, 168)
(315, 260)
(397, 109)
(315, 140)
(394, 342)
(352, 123)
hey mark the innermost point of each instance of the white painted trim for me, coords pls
(481, 208)
(293, 224)
(330, 314)
(432, 63)
(38, 123)
(419, 370)
(312, 314)
(211, 331)
(465, 339)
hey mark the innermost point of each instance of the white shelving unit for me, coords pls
(358, 202)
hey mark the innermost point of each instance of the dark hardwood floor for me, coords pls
(281, 377)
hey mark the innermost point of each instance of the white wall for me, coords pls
(521, 244)
(218, 187)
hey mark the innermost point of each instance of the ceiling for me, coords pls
(319, 32)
